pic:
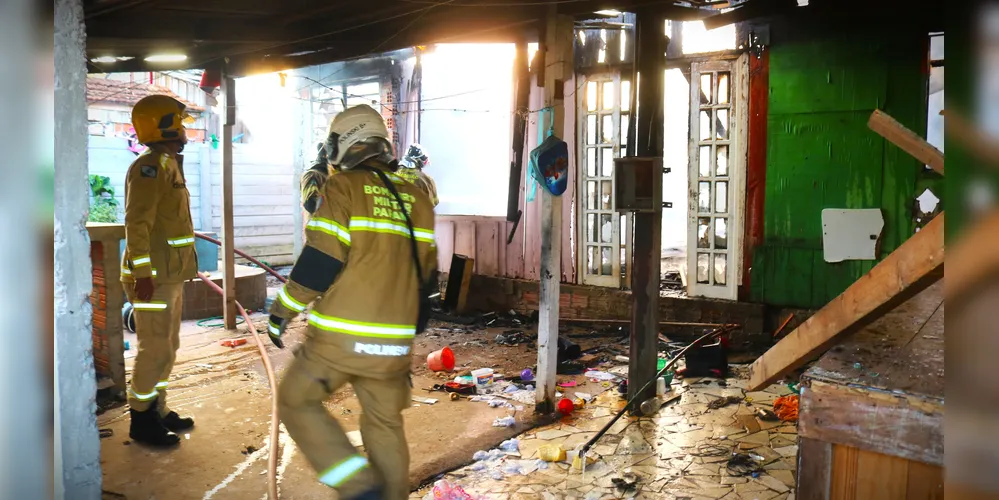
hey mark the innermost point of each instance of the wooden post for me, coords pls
(558, 62)
(647, 242)
(228, 256)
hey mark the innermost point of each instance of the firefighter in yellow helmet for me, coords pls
(159, 256)
(365, 269)
(415, 161)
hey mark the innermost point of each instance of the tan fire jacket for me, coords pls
(159, 233)
(366, 321)
(422, 180)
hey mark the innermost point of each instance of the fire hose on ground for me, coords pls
(272, 454)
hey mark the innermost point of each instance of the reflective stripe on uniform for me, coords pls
(149, 306)
(273, 329)
(183, 241)
(360, 328)
(162, 384)
(290, 302)
(144, 397)
(387, 226)
(341, 472)
(128, 272)
(142, 260)
(330, 227)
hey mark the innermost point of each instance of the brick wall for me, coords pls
(488, 293)
(202, 302)
(98, 299)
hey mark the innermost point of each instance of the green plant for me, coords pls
(103, 206)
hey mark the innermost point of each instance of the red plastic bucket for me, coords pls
(441, 360)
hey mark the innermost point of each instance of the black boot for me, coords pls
(372, 494)
(175, 423)
(147, 429)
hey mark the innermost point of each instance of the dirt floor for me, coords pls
(225, 390)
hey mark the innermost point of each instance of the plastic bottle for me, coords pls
(650, 406)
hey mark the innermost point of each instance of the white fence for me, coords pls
(263, 193)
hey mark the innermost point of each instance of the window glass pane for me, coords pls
(704, 161)
(606, 229)
(721, 153)
(607, 129)
(721, 233)
(591, 227)
(723, 87)
(705, 88)
(591, 129)
(605, 261)
(623, 231)
(605, 195)
(602, 53)
(591, 162)
(591, 260)
(703, 196)
(720, 268)
(591, 96)
(608, 102)
(705, 122)
(702, 267)
(625, 95)
(591, 195)
(703, 232)
(624, 45)
(623, 133)
(721, 125)
(721, 197)
(607, 162)
(624, 263)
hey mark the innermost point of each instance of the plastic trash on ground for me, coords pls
(598, 375)
(487, 456)
(507, 421)
(551, 453)
(510, 446)
(444, 490)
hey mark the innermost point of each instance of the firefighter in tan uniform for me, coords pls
(366, 265)
(159, 256)
(415, 161)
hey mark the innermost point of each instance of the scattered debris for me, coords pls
(765, 414)
(627, 482)
(427, 401)
(551, 453)
(786, 408)
(355, 439)
(205, 365)
(600, 376)
(741, 464)
(570, 368)
(506, 421)
(512, 338)
(567, 383)
(723, 402)
(566, 406)
(444, 490)
(584, 396)
(510, 446)
(622, 359)
(106, 433)
(232, 342)
(249, 449)
(441, 360)
(527, 375)
(568, 350)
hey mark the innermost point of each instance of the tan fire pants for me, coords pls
(157, 324)
(307, 383)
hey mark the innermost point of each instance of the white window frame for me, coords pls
(736, 206)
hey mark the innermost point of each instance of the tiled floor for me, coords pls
(681, 452)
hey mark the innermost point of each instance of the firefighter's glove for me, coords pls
(312, 184)
(144, 289)
(275, 330)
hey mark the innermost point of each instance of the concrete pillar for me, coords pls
(77, 445)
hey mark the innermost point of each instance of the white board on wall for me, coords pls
(851, 234)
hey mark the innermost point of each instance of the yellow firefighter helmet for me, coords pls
(159, 118)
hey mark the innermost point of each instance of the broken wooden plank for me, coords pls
(896, 133)
(915, 265)
(973, 257)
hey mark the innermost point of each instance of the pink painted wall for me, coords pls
(484, 238)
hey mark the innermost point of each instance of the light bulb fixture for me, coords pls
(608, 12)
(162, 58)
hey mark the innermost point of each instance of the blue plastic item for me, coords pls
(550, 165)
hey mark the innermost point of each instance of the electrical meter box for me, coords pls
(638, 184)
